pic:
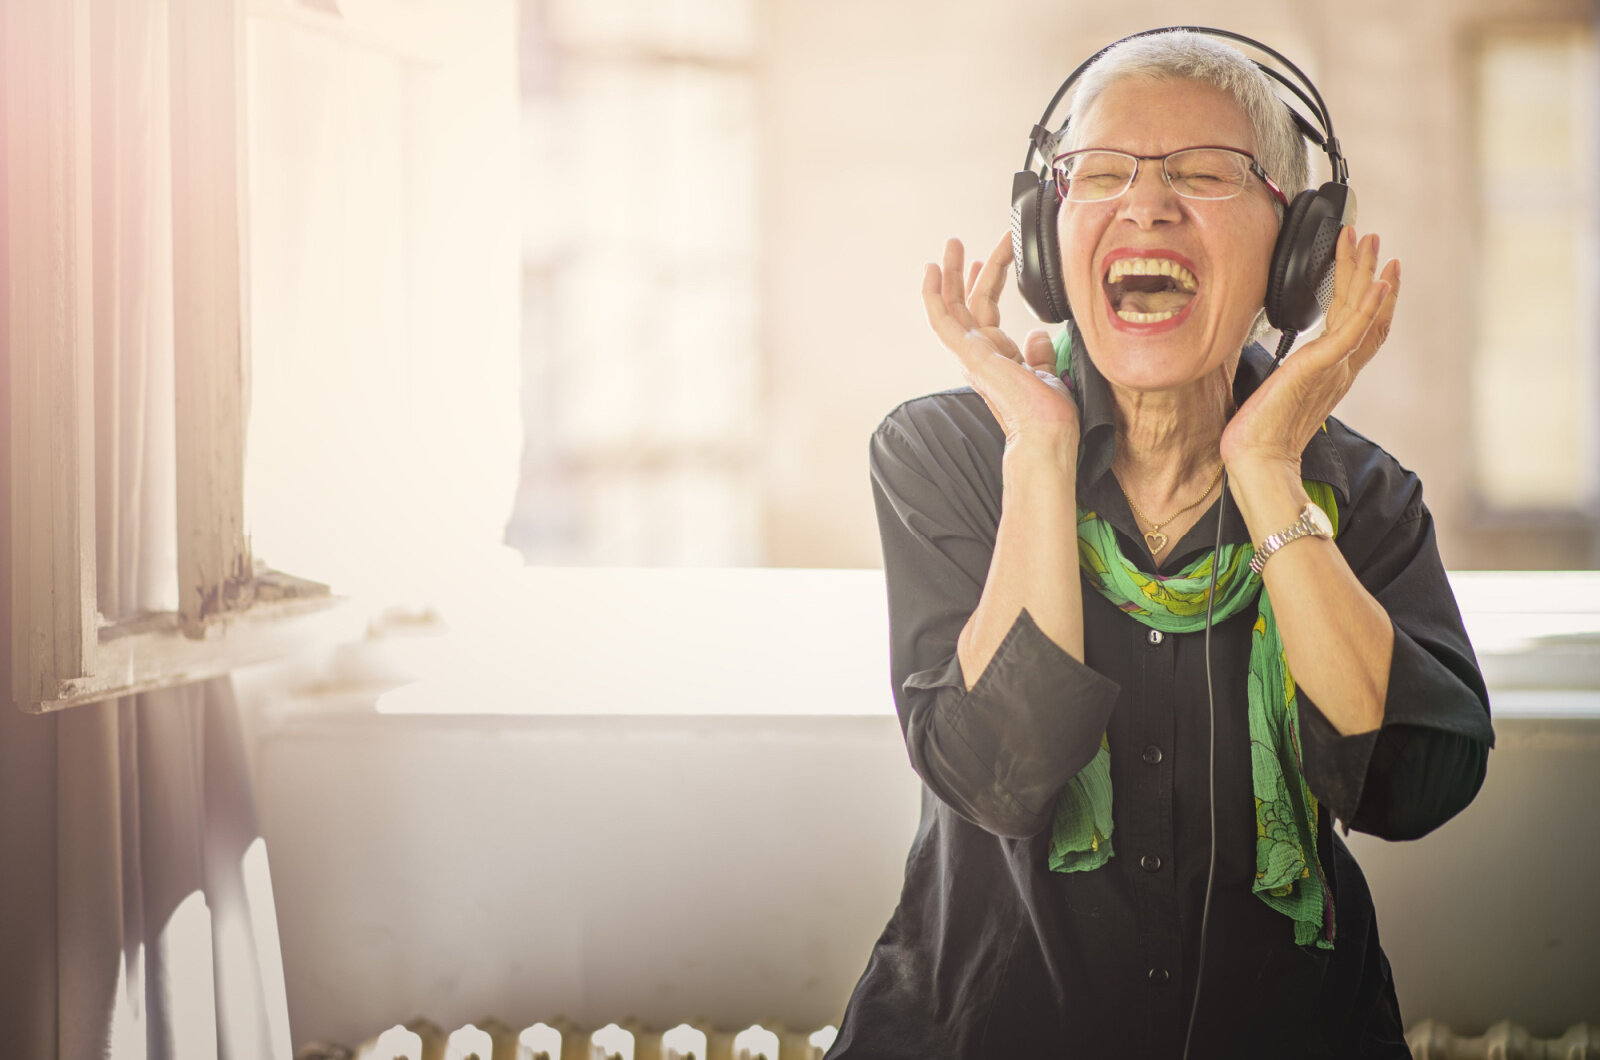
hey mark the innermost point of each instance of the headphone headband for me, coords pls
(1323, 138)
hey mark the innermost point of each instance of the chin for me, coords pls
(1167, 355)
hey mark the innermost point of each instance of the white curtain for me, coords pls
(136, 913)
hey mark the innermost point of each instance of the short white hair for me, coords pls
(1181, 55)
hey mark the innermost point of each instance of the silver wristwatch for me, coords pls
(1313, 522)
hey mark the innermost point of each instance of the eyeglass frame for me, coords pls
(1254, 167)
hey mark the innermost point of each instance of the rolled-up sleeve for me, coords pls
(999, 753)
(1427, 760)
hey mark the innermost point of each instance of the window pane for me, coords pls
(640, 358)
(1535, 382)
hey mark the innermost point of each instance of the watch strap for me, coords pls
(1305, 526)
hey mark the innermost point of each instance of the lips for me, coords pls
(1148, 287)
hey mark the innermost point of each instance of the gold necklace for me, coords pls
(1154, 538)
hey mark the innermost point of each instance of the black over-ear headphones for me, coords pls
(1300, 280)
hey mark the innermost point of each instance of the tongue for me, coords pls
(1153, 301)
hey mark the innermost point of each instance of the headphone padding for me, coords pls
(1300, 278)
(1050, 277)
(1034, 247)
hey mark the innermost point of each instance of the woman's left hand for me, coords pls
(1280, 418)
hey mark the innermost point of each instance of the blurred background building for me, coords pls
(726, 205)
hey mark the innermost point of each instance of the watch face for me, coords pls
(1319, 520)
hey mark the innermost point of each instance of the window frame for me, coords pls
(231, 613)
(1488, 517)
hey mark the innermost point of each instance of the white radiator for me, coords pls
(492, 1039)
(1431, 1040)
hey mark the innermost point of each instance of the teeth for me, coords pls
(1152, 267)
(1145, 318)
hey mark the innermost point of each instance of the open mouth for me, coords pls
(1148, 290)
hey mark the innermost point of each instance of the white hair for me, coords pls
(1178, 55)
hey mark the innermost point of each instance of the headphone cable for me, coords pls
(1211, 769)
(1284, 343)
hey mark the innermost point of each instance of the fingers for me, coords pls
(1358, 297)
(946, 293)
(972, 295)
(951, 288)
(1353, 264)
(951, 331)
(976, 352)
(1038, 352)
(1349, 338)
(984, 292)
(1347, 281)
(1365, 266)
(1378, 330)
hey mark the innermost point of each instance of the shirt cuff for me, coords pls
(1423, 694)
(1336, 765)
(1034, 719)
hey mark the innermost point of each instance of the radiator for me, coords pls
(1431, 1040)
(492, 1039)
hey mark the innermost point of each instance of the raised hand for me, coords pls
(1019, 385)
(1274, 426)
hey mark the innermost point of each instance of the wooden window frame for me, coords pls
(230, 613)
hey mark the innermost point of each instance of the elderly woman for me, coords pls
(1049, 544)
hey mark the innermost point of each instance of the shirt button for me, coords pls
(1152, 754)
(1156, 636)
(1150, 863)
(1157, 975)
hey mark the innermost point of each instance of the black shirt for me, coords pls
(991, 954)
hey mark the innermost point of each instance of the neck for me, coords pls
(1168, 440)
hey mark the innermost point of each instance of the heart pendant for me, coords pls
(1156, 541)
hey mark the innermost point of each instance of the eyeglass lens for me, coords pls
(1198, 173)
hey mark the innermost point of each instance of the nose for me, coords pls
(1150, 200)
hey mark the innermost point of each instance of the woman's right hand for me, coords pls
(1033, 564)
(1020, 386)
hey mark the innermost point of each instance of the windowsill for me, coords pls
(288, 617)
(720, 642)
(590, 641)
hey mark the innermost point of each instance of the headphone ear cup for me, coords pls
(1300, 279)
(1035, 249)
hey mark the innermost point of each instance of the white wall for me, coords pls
(665, 869)
(1493, 916)
(739, 868)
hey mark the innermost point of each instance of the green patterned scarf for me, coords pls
(1288, 873)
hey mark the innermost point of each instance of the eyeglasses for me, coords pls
(1096, 175)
